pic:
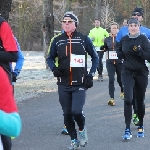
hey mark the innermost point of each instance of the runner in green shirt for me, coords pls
(97, 35)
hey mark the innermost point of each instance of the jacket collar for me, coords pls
(73, 33)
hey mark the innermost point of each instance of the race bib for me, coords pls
(113, 55)
(77, 60)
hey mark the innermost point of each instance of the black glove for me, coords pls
(88, 81)
(57, 72)
(103, 48)
(137, 49)
(14, 76)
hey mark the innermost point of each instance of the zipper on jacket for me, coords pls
(66, 51)
(70, 60)
(113, 46)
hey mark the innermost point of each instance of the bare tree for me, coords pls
(25, 21)
(98, 9)
(107, 14)
(146, 14)
(48, 25)
(80, 16)
(58, 13)
(69, 4)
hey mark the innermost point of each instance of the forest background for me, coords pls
(27, 17)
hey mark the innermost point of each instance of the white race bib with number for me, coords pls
(77, 60)
(113, 55)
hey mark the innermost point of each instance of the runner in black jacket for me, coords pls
(71, 48)
(113, 64)
(134, 49)
(137, 13)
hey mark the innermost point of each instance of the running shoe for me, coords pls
(122, 96)
(111, 102)
(75, 145)
(127, 135)
(64, 131)
(135, 119)
(140, 132)
(83, 137)
(100, 78)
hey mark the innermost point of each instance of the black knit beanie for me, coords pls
(138, 10)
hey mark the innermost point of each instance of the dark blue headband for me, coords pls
(72, 17)
(133, 20)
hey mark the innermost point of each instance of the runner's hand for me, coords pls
(14, 76)
(57, 72)
(103, 48)
(88, 81)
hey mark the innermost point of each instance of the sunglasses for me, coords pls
(136, 14)
(67, 21)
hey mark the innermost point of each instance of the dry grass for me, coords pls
(34, 79)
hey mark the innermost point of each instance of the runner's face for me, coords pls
(114, 29)
(125, 22)
(68, 25)
(97, 23)
(137, 16)
(133, 29)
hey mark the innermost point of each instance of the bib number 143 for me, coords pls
(77, 60)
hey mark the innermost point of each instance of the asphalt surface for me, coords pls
(43, 120)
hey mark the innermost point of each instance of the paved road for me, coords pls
(43, 121)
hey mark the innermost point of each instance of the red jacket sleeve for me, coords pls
(7, 37)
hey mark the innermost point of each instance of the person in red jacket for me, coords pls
(9, 117)
(8, 109)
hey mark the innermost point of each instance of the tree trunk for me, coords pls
(48, 26)
(80, 16)
(98, 9)
(68, 6)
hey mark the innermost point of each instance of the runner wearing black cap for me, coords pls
(71, 48)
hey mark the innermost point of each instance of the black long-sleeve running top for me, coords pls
(72, 57)
(134, 60)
